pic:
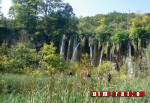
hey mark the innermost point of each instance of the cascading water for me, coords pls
(75, 49)
(129, 62)
(100, 60)
(91, 55)
(74, 56)
(129, 52)
(62, 46)
(68, 51)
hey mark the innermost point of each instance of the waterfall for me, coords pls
(129, 62)
(95, 55)
(62, 47)
(74, 56)
(101, 55)
(129, 51)
(91, 55)
(74, 43)
(75, 48)
(68, 51)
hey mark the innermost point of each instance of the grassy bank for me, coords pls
(61, 88)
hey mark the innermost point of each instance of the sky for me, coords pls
(5, 7)
(93, 7)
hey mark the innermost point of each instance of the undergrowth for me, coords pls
(61, 88)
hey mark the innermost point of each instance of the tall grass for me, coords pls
(60, 88)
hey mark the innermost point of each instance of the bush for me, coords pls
(145, 63)
(3, 61)
(105, 67)
(4, 49)
(85, 65)
(49, 59)
(20, 57)
(3, 56)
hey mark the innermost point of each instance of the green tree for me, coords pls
(103, 35)
(50, 58)
(139, 32)
(20, 57)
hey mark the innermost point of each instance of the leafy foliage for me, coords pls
(105, 67)
(20, 57)
(106, 37)
(51, 59)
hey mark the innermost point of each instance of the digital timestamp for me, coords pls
(117, 94)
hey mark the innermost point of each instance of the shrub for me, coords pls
(85, 65)
(3, 61)
(74, 67)
(105, 66)
(4, 49)
(3, 56)
(20, 57)
(49, 58)
(145, 63)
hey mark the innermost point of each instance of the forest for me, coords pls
(46, 51)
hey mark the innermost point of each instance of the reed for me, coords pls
(58, 88)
